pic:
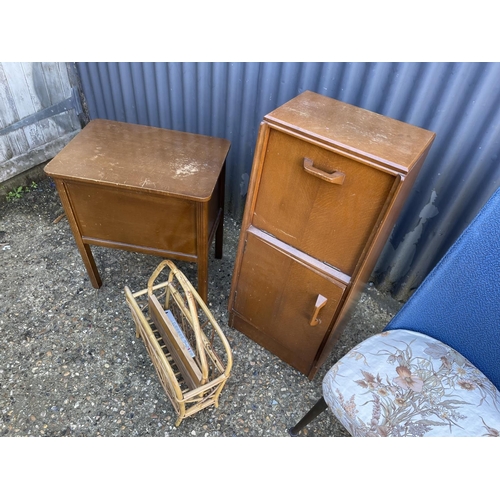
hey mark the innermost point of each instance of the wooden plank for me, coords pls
(66, 84)
(20, 163)
(57, 92)
(38, 89)
(23, 101)
(15, 143)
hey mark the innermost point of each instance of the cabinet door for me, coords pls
(331, 222)
(277, 294)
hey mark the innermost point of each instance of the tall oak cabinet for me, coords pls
(327, 184)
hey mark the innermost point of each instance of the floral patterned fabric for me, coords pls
(403, 383)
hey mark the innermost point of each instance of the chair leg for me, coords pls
(317, 409)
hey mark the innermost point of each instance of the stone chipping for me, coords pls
(70, 364)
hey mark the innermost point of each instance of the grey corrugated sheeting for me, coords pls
(458, 101)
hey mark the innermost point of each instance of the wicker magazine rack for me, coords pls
(189, 351)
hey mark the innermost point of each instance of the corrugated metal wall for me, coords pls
(458, 101)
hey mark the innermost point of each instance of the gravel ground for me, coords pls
(71, 365)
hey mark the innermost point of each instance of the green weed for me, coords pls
(18, 192)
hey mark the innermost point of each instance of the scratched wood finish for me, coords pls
(353, 130)
(143, 189)
(140, 157)
(305, 238)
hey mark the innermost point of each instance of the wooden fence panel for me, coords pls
(40, 112)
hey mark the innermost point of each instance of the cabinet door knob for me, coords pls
(320, 303)
(334, 178)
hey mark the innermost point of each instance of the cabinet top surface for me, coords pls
(354, 129)
(142, 157)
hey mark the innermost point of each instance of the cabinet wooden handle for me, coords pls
(334, 178)
(320, 303)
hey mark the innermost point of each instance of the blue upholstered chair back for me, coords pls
(459, 301)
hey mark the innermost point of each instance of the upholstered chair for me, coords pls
(435, 369)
